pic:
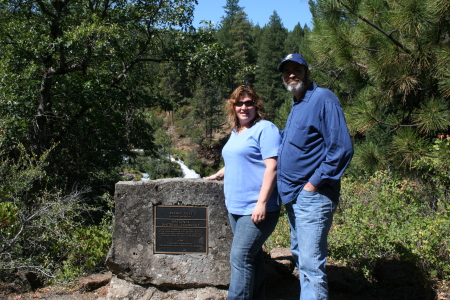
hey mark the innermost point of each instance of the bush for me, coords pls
(387, 217)
(43, 231)
(280, 237)
(88, 246)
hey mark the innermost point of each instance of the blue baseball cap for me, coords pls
(297, 58)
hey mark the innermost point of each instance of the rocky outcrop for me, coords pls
(132, 255)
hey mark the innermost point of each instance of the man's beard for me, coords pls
(295, 87)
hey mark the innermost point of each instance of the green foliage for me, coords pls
(386, 61)
(294, 40)
(80, 77)
(42, 236)
(9, 225)
(137, 175)
(235, 36)
(18, 173)
(435, 168)
(203, 167)
(210, 62)
(368, 158)
(268, 79)
(156, 167)
(40, 229)
(205, 115)
(280, 237)
(388, 217)
(88, 246)
(283, 113)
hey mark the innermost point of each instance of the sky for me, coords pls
(258, 11)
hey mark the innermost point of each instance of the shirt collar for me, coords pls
(306, 96)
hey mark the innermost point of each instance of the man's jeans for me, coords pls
(310, 217)
(248, 272)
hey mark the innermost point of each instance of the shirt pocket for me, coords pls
(304, 137)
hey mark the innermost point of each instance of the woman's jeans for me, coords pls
(310, 217)
(248, 272)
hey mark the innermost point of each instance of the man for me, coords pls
(315, 150)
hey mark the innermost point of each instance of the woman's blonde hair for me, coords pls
(235, 95)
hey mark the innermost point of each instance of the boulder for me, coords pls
(132, 255)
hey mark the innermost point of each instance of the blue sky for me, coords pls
(258, 11)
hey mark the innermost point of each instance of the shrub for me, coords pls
(388, 217)
(280, 237)
(88, 248)
(43, 230)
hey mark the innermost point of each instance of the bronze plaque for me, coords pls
(181, 229)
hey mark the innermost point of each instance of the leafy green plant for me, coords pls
(280, 237)
(388, 217)
(88, 246)
(9, 225)
(43, 230)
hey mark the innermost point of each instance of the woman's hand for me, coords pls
(268, 184)
(218, 176)
(212, 177)
(259, 212)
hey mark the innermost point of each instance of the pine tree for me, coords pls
(240, 32)
(235, 35)
(268, 79)
(390, 61)
(294, 40)
(256, 34)
(223, 35)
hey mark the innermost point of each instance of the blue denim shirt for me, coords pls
(315, 147)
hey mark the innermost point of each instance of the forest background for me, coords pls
(91, 91)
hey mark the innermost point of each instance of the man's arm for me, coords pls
(338, 146)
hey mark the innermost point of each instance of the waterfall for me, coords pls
(187, 173)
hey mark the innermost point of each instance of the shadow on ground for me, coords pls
(393, 280)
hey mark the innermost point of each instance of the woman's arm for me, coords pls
(218, 176)
(268, 184)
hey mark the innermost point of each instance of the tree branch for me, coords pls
(335, 78)
(392, 125)
(45, 10)
(388, 35)
(30, 267)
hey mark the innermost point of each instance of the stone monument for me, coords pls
(171, 233)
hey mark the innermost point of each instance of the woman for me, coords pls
(250, 170)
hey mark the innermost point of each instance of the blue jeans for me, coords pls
(248, 272)
(310, 217)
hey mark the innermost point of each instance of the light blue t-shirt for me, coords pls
(244, 156)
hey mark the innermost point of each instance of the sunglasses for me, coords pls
(247, 103)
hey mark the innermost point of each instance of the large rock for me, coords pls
(132, 256)
(122, 289)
